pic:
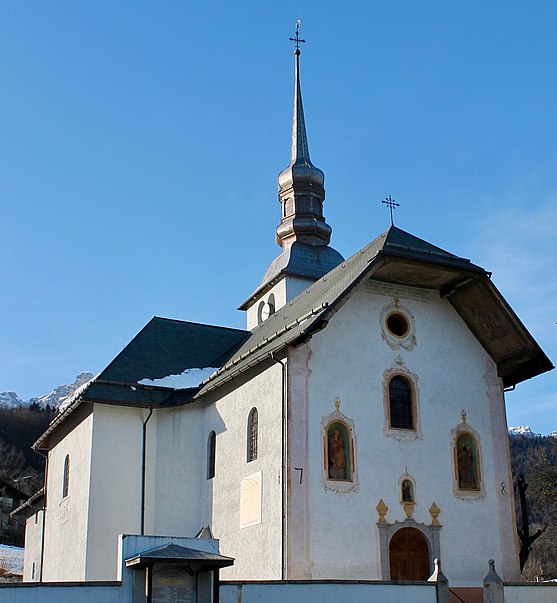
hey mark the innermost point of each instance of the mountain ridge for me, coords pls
(54, 399)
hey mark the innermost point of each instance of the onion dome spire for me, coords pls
(301, 184)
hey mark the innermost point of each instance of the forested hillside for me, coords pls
(19, 428)
(535, 458)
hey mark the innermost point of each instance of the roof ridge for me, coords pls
(199, 324)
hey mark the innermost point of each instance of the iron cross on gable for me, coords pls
(297, 40)
(391, 204)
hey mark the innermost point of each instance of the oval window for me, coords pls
(397, 324)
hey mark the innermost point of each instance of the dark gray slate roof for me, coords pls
(177, 553)
(163, 347)
(300, 259)
(395, 256)
(168, 347)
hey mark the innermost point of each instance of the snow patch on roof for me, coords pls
(192, 377)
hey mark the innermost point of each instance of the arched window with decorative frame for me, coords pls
(402, 406)
(467, 462)
(252, 435)
(211, 454)
(66, 477)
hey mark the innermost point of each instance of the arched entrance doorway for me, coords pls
(409, 555)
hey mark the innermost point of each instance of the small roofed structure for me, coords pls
(174, 553)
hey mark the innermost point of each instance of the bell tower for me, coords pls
(303, 234)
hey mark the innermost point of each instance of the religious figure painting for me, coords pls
(467, 462)
(338, 453)
(407, 491)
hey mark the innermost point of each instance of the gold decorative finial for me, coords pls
(463, 415)
(434, 511)
(382, 511)
(337, 404)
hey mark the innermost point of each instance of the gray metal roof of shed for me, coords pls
(177, 553)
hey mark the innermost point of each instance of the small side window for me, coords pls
(66, 478)
(211, 454)
(253, 428)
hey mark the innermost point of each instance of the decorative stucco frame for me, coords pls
(388, 530)
(339, 486)
(467, 495)
(399, 368)
(406, 342)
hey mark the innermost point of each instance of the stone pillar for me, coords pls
(441, 582)
(493, 586)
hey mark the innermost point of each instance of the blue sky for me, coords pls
(141, 143)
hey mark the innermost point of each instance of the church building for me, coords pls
(355, 430)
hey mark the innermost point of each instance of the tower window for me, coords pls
(401, 403)
(252, 435)
(66, 478)
(211, 454)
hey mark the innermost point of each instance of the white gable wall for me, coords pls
(114, 506)
(174, 498)
(66, 518)
(347, 359)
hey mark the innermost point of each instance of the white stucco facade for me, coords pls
(33, 547)
(67, 517)
(330, 531)
(256, 547)
(348, 360)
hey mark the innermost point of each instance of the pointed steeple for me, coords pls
(301, 184)
(302, 233)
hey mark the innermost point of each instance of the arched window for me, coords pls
(252, 435)
(401, 403)
(211, 454)
(66, 478)
(467, 462)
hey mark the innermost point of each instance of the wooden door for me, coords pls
(409, 555)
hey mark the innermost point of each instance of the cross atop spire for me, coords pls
(297, 39)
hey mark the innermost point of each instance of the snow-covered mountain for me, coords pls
(526, 432)
(10, 400)
(55, 398)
